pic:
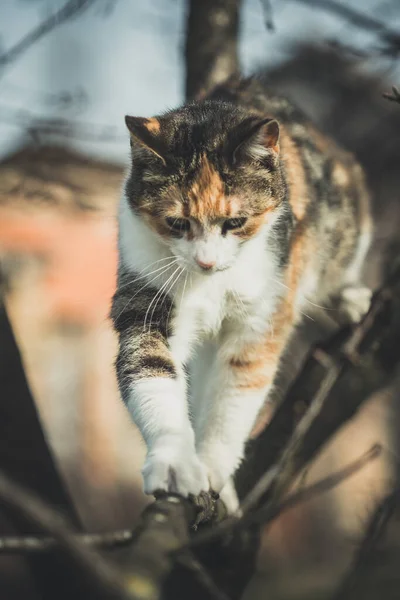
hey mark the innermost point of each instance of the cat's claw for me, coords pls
(174, 469)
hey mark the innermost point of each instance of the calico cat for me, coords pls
(236, 214)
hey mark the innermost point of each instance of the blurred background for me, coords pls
(69, 72)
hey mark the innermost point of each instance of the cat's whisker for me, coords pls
(159, 292)
(174, 282)
(240, 304)
(143, 287)
(164, 296)
(306, 299)
(172, 304)
(307, 316)
(183, 291)
(319, 305)
(130, 282)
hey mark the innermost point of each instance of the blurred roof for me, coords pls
(59, 207)
(38, 176)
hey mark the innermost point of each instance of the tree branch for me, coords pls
(394, 96)
(211, 44)
(37, 126)
(71, 9)
(336, 379)
(86, 564)
(360, 20)
(375, 530)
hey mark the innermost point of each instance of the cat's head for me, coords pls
(206, 178)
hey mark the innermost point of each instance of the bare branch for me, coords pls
(271, 511)
(268, 14)
(71, 9)
(336, 379)
(33, 544)
(375, 530)
(211, 44)
(25, 504)
(394, 96)
(37, 126)
(188, 560)
(390, 37)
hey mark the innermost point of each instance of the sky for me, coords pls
(126, 57)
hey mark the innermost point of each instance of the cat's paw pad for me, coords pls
(355, 302)
(174, 469)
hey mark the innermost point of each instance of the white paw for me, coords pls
(173, 467)
(230, 498)
(221, 462)
(355, 302)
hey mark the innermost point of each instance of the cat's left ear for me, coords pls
(255, 140)
(146, 134)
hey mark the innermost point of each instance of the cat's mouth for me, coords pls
(212, 270)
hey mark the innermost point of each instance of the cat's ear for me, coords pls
(146, 134)
(255, 139)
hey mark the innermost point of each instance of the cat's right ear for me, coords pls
(254, 139)
(146, 134)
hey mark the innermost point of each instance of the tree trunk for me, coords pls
(211, 51)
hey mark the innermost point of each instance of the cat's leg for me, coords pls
(227, 419)
(171, 463)
(152, 383)
(354, 298)
(240, 382)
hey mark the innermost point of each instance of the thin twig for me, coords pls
(356, 18)
(394, 96)
(69, 10)
(37, 126)
(281, 473)
(268, 14)
(188, 560)
(28, 506)
(335, 380)
(270, 512)
(34, 543)
(373, 534)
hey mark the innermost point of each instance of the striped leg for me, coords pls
(152, 384)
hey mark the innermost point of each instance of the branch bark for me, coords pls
(211, 50)
(25, 455)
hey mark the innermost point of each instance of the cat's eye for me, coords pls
(178, 225)
(231, 224)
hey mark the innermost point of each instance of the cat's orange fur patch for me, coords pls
(298, 190)
(255, 365)
(153, 125)
(207, 198)
(253, 224)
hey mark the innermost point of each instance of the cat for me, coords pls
(236, 214)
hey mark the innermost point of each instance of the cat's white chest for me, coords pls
(228, 298)
(208, 306)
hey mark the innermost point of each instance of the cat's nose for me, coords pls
(206, 266)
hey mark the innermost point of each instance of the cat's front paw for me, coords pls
(353, 304)
(221, 462)
(173, 467)
(230, 498)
